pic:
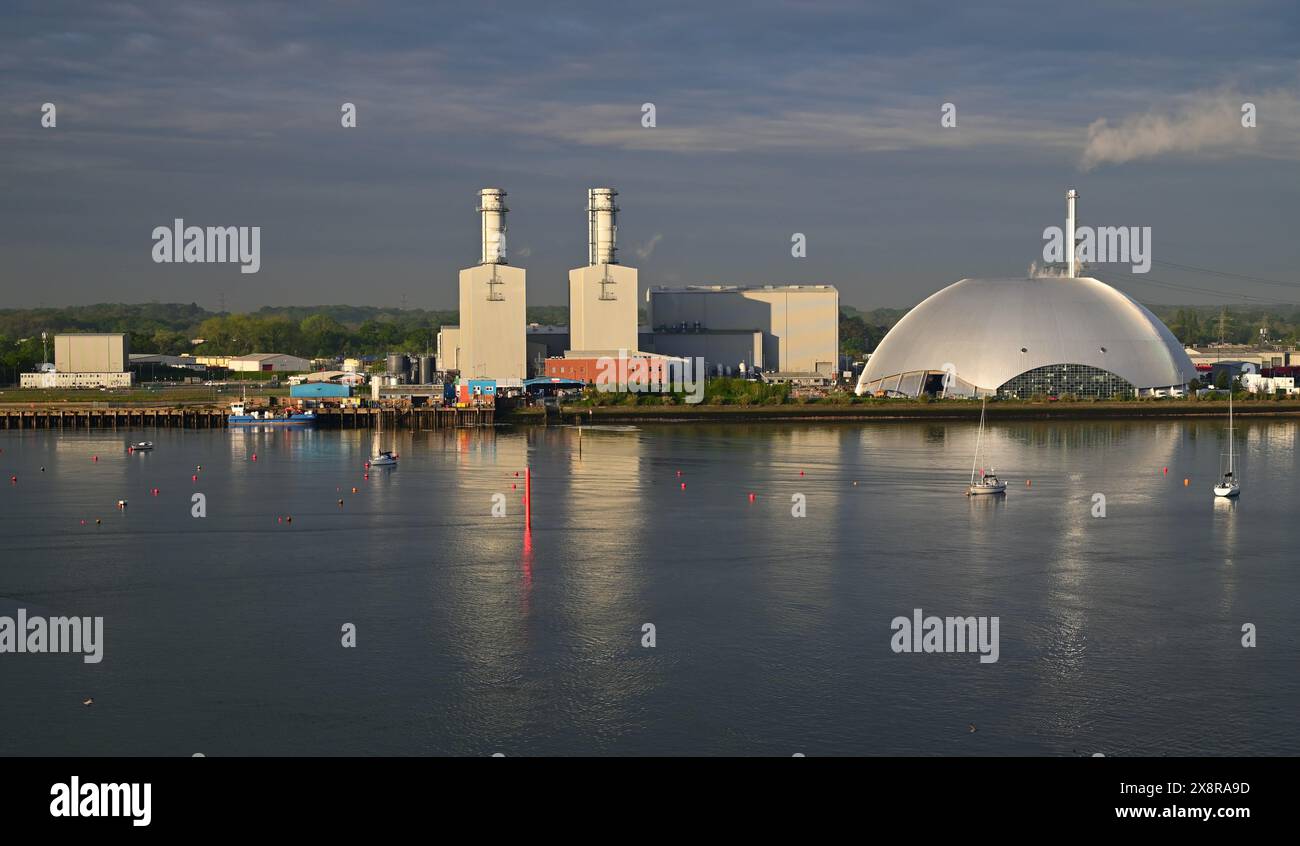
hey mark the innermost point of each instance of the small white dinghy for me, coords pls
(385, 458)
(143, 446)
(1229, 485)
(988, 483)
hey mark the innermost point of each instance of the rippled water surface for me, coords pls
(1118, 634)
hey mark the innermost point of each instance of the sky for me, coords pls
(772, 118)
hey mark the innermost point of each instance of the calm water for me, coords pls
(1120, 635)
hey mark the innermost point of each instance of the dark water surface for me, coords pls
(1119, 635)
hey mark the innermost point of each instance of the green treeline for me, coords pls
(332, 330)
(170, 328)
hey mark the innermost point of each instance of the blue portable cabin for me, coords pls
(320, 391)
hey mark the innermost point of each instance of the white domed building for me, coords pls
(1048, 335)
(1045, 335)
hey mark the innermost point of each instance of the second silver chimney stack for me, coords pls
(602, 226)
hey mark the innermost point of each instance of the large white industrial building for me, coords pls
(1044, 335)
(490, 341)
(85, 360)
(734, 328)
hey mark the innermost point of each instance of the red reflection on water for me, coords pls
(528, 558)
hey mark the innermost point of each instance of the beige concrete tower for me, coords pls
(602, 295)
(493, 321)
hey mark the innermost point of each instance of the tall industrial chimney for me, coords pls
(1070, 197)
(602, 226)
(492, 209)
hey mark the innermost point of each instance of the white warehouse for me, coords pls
(772, 328)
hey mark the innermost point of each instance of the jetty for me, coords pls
(213, 417)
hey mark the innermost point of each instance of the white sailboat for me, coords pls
(988, 483)
(384, 458)
(1229, 485)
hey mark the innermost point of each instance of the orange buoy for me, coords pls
(1028, 483)
(1186, 482)
(354, 490)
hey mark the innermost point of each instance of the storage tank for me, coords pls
(398, 365)
(426, 370)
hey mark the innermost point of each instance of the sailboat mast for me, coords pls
(1231, 469)
(979, 437)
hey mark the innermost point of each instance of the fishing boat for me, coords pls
(384, 458)
(240, 415)
(1229, 485)
(988, 481)
(143, 446)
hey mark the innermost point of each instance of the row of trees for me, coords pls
(317, 331)
(1201, 325)
(310, 332)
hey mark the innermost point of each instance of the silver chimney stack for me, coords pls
(602, 226)
(492, 210)
(1070, 197)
